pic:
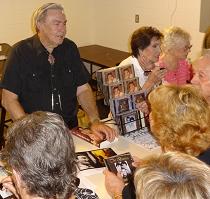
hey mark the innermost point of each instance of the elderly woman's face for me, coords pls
(152, 52)
(181, 49)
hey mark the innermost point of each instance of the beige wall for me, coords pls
(106, 22)
(15, 20)
(114, 28)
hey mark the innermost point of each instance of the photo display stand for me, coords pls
(123, 94)
(126, 114)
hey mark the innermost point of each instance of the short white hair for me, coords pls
(40, 13)
(173, 37)
(172, 175)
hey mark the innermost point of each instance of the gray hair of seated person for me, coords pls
(41, 13)
(41, 150)
(174, 37)
(172, 175)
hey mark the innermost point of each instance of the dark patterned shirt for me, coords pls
(82, 193)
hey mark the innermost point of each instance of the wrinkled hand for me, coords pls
(114, 183)
(8, 184)
(103, 131)
(143, 107)
(156, 75)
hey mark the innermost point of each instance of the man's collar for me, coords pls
(38, 45)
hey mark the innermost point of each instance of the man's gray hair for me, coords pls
(40, 13)
(40, 149)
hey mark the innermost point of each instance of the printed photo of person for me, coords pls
(117, 91)
(110, 77)
(132, 86)
(131, 122)
(123, 105)
(138, 99)
(84, 161)
(123, 168)
(126, 72)
(101, 154)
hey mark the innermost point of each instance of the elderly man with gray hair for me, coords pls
(45, 73)
(40, 155)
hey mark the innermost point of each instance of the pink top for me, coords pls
(180, 76)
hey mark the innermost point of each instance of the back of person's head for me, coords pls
(41, 151)
(180, 119)
(141, 38)
(175, 37)
(41, 13)
(172, 175)
(206, 41)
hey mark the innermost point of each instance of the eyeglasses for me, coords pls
(187, 47)
(147, 72)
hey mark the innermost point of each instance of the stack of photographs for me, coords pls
(126, 114)
(123, 93)
(117, 82)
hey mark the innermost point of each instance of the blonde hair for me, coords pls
(172, 175)
(41, 13)
(173, 37)
(180, 119)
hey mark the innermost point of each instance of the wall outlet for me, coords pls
(136, 18)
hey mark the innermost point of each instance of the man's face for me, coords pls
(52, 29)
(201, 78)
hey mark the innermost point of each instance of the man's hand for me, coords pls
(114, 183)
(103, 131)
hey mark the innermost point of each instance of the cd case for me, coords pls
(121, 164)
(88, 136)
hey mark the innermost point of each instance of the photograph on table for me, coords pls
(85, 161)
(132, 85)
(130, 122)
(138, 98)
(126, 72)
(101, 154)
(121, 164)
(116, 90)
(110, 75)
(93, 159)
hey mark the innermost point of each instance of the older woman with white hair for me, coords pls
(175, 48)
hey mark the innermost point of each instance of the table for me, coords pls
(101, 56)
(96, 178)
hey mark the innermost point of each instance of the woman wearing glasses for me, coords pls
(176, 47)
